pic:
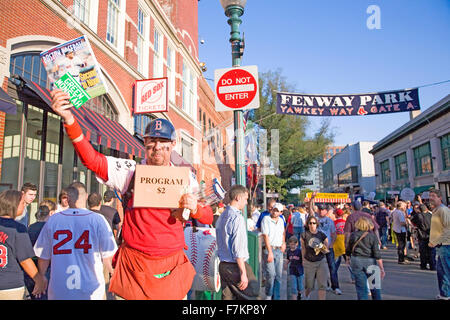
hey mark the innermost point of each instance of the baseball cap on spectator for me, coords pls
(321, 206)
(339, 212)
(278, 206)
(290, 205)
(221, 205)
(357, 205)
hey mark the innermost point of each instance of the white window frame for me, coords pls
(90, 13)
(193, 142)
(82, 15)
(189, 89)
(171, 72)
(113, 30)
(158, 53)
(119, 41)
(142, 44)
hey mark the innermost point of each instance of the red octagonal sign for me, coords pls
(237, 89)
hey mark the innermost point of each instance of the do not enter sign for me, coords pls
(236, 88)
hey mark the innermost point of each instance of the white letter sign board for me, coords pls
(151, 96)
(236, 88)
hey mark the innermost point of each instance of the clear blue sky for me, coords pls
(325, 47)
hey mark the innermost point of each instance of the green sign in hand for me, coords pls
(68, 84)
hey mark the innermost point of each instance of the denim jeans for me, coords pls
(383, 236)
(273, 272)
(295, 284)
(361, 267)
(333, 270)
(443, 269)
(298, 232)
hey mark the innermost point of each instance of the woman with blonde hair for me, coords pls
(366, 263)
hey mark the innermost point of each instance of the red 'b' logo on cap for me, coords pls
(158, 125)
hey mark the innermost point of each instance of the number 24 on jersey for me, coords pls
(66, 236)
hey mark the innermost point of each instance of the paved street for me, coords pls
(402, 282)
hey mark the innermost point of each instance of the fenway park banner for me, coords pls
(348, 104)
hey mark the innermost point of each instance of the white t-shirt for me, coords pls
(250, 224)
(255, 216)
(76, 240)
(273, 229)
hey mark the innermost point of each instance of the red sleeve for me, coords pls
(92, 159)
(204, 214)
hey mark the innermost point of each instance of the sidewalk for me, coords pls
(402, 282)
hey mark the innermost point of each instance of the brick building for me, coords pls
(331, 151)
(132, 40)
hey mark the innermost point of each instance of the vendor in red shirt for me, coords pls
(150, 263)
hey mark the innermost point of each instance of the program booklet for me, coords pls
(73, 68)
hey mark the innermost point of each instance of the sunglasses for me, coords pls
(312, 223)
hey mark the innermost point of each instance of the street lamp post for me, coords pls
(234, 9)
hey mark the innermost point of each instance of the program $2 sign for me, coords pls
(159, 187)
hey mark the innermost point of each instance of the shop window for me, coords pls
(28, 65)
(445, 150)
(401, 166)
(422, 159)
(11, 146)
(52, 152)
(385, 172)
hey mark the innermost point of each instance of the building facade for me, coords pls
(331, 151)
(416, 155)
(132, 40)
(351, 170)
(314, 179)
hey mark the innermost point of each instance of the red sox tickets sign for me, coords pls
(236, 88)
(151, 96)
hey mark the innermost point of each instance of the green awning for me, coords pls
(380, 196)
(418, 190)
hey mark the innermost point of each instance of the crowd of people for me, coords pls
(310, 242)
(326, 235)
(27, 251)
(82, 249)
(78, 244)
